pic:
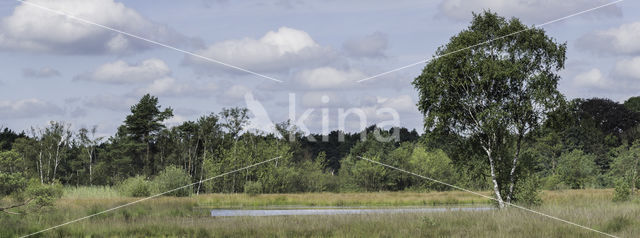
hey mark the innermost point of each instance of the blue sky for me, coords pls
(55, 68)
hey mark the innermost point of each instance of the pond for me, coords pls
(332, 211)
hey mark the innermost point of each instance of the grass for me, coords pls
(90, 192)
(189, 217)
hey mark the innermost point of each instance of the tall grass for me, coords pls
(189, 216)
(90, 192)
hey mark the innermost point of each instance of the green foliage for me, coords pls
(622, 191)
(141, 129)
(553, 182)
(172, 178)
(136, 186)
(494, 93)
(43, 195)
(626, 163)
(527, 191)
(433, 164)
(633, 104)
(576, 169)
(253, 188)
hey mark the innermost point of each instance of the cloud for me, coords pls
(591, 79)
(617, 40)
(370, 46)
(328, 78)
(403, 103)
(531, 11)
(628, 68)
(175, 120)
(45, 72)
(171, 87)
(110, 102)
(28, 108)
(276, 51)
(36, 30)
(120, 72)
(322, 99)
(236, 92)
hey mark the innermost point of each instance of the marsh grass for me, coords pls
(90, 192)
(189, 216)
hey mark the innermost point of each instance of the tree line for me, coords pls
(494, 120)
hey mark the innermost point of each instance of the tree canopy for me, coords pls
(495, 91)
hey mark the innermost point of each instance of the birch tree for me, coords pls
(89, 141)
(493, 83)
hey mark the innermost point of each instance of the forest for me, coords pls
(586, 143)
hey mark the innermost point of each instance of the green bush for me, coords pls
(622, 191)
(528, 192)
(553, 182)
(577, 169)
(253, 188)
(172, 178)
(135, 187)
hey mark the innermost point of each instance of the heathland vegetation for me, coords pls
(494, 121)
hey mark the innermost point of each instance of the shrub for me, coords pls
(135, 187)
(576, 169)
(172, 178)
(528, 191)
(553, 182)
(253, 188)
(622, 191)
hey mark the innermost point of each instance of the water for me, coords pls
(316, 211)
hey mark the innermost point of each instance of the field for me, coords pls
(179, 217)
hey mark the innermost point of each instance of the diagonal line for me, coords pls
(485, 196)
(147, 198)
(62, 13)
(489, 41)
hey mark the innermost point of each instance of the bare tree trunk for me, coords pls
(40, 166)
(90, 152)
(513, 168)
(146, 161)
(496, 188)
(204, 155)
(635, 175)
(57, 161)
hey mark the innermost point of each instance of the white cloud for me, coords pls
(175, 120)
(322, 99)
(276, 51)
(45, 72)
(120, 72)
(403, 103)
(530, 11)
(169, 86)
(32, 29)
(591, 79)
(236, 92)
(28, 108)
(370, 46)
(110, 102)
(618, 40)
(328, 78)
(628, 68)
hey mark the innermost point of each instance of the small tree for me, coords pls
(494, 92)
(19, 193)
(622, 191)
(627, 163)
(172, 178)
(135, 187)
(576, 169)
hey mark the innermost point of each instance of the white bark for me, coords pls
(496, 188)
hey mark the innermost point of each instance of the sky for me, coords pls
(283, 59)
